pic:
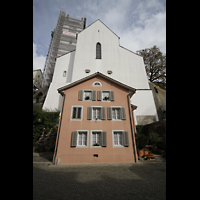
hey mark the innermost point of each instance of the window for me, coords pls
(64, 73)
(76, 112)
(82, 139)
(116, 113)
(97, 83)
(87, 95)
(96, 113)
(79, 138)
(105, 96)
(98, 51)
(120, 138)
(117, 138)
(96, 138)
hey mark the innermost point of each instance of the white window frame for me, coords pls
(113, 131)
(96, 85)
(116, 107)
(72, 113)
(102, 95)
(84, 95)
(91, 143)
(92, 113)
(82, 146)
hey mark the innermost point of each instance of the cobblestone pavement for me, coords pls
(140, 181)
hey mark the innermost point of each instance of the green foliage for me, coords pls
(41, 120)
(143, 138)
(153, 138)
(161, 144)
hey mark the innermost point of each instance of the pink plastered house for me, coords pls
(96, 122)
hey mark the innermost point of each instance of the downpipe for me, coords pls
(133, 137)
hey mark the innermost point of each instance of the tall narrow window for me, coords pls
(98, 51)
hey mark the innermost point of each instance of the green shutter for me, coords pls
(89, 113)
(80, 95)
(123, 114)
(125, 140)
(112, 96)
(103, 139)
(99, 95)
(74, 139)
(94, 95)
(109, 113)
(103, 113)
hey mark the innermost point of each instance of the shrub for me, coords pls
(41, 120)
(161, 144)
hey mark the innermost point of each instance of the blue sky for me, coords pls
(139, 23)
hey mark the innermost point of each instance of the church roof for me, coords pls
(102, 23)
(72, 84)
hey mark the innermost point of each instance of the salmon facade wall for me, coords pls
(109, 154)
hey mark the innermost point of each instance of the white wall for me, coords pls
(144, 101)
(127, 67)
(54, 99)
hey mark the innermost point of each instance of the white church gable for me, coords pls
(116, 62)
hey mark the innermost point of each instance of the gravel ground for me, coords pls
(143, 180)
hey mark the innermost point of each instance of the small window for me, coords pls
(120, 138)
(97, 83)
(106, 95)
(76, 112)
(98, 51)
(96, 138)
(96, 113)
(116, 113)
(87, 95)
(82, 138)
(64, 73)
(117, 138)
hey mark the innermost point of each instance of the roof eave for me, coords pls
(131, 90)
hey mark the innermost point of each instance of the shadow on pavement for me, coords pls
(97, 182)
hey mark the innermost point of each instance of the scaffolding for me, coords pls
(63, 40)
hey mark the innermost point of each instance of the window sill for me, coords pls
(81, 146)
(75, 119)
(95, 146)
(116, 146)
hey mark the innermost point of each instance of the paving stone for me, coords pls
(142, 180)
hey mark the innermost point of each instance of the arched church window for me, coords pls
(98, 51)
